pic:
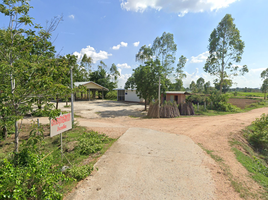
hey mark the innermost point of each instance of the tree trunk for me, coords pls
(57, 103)
(16, 137)
(145, 105)
(4, 132)
(39, 103)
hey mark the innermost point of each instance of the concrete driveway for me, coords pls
(147, 164)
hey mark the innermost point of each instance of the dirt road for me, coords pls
(214, 133)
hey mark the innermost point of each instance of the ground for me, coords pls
(213, 133)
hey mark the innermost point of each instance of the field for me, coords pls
(242, 103)
(247, 94)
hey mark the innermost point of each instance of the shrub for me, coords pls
(81, 172)
(258, 135)
(111, 95)
(26, 176)
(220, 102)
(91, 142)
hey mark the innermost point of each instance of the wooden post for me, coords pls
(102, 94)
(205, 106)
(198, 106)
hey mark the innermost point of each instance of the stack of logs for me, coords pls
(167, 110)
(186, 109)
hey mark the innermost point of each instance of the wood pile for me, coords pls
(186, 109)
(167, 110)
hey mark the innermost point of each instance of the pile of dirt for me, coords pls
(242, 103)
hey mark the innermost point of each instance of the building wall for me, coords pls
(131, 96)
(181, 97)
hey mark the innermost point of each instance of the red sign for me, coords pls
(60, 124)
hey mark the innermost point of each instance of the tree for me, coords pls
(24, 55)
(145, 54)
(207, 87)
(177, 86)
(104, 77)
(164, 48)
(145, 80)
(180, 66)
(225, 47)
(264, 74)
(264, 87)
(200, 84)
(226, 84)
(193, 86)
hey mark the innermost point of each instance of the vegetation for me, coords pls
(225, 47)
(39, 171)
(254, 156)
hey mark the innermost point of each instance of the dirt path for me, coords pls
(214, 133)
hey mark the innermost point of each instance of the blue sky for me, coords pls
(114, 30)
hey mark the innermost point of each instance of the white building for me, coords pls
(128, 95)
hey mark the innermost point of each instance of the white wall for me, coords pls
(131, 96)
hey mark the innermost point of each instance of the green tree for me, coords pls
(24, 55)
(207, 87)
(164, 48)
(225, 47)
(264, 74)
(264, 87)
(145, 80)
(180, 66)
(177, 86)
(200, 84)
(145, 54)
(193, 87)
(226, 85)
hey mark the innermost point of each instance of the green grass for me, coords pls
(247, 94)
(210, 152)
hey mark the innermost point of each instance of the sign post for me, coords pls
(59, 125)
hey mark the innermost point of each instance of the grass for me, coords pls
(209, 112)
(238, 186)
(248, 94)
(72, 156)
(250, 159)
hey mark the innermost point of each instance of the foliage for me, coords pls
(145, 79)
(105, 78)
(200, 84)
(207, 87)
(193, 87)
(80, 172)
(225, 47)
(111, 95)
(258, 134)
(264, 87)
(177, 86)
(29, 175)
(91, 143)
(164, 48)
(226, 84)
(180, 66)
(220, 102)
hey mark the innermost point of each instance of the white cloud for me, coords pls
(90, 51)
(122, 44)
(200, 58)
(181, 7)
(124, 65)
(136, 44)
(116, 47)
(71, 16)
(122, 79)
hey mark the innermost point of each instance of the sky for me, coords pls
(114, 30)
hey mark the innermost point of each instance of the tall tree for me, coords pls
(264, 74)
(200, 84)
(193, 87)
(207, 87)
(225, 49)
(264, 87)
(226, 85)
(180, 66)
(164, 48)
(145, 80)
(145, 54)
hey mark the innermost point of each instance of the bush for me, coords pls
(220, 103)
(81, 172)
(91, 143)
(258, 135)
(26, 176)
(111, 95)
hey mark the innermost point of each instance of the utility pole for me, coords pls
(159, 98)
(72, 97)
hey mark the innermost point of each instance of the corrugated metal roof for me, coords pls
(175, 92)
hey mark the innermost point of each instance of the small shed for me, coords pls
(128, 95)
(91, 86)
(177, 96)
